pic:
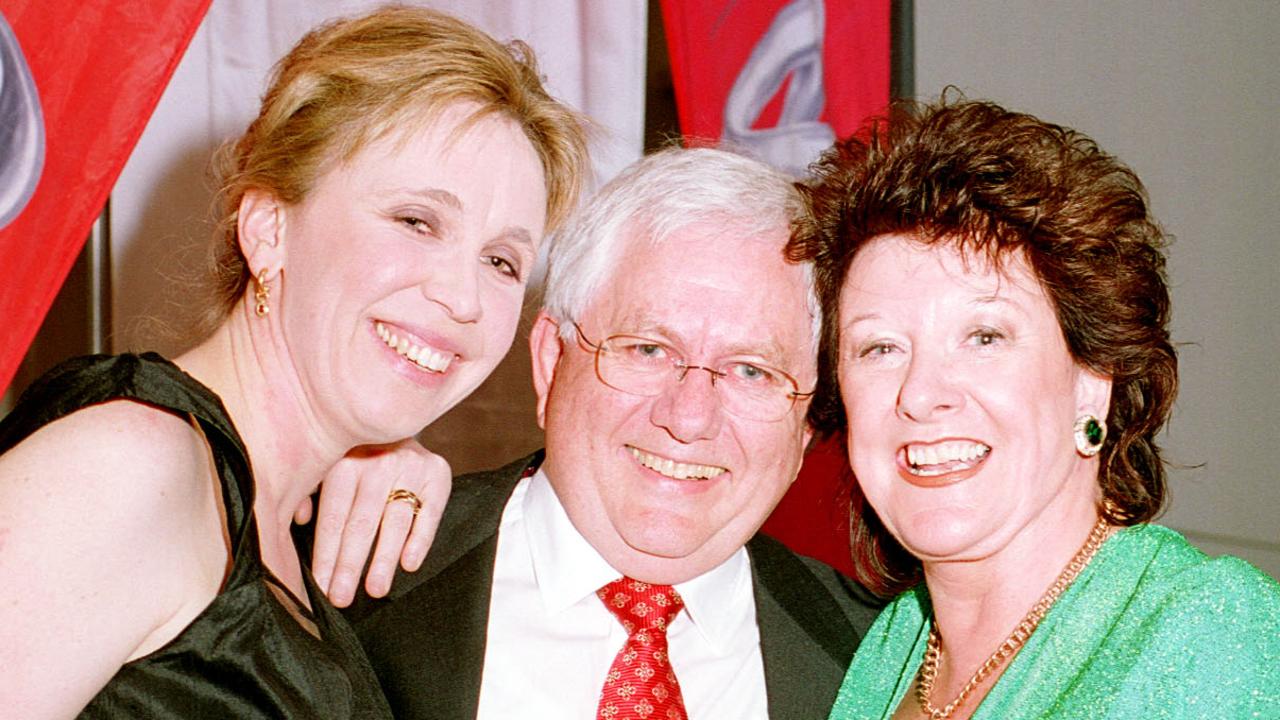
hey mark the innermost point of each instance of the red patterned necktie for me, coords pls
(641, 684)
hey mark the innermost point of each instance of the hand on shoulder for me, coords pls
(395, 492)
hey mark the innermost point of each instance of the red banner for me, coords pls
(78, 81)
(781, 79)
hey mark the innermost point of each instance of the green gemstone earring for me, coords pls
(1090, 433)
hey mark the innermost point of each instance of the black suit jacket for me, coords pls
(426, 640)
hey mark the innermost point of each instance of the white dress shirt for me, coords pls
(551, 641)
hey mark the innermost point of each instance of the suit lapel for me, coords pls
(439, 615)
(806, 640)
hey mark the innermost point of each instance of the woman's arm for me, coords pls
(111, 542)
(354, 508)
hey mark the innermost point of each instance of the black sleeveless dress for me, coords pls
(245, 656)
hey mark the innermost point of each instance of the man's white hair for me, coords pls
(651, 200)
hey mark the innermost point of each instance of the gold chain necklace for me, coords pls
(933, 651)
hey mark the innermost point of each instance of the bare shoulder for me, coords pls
(119, 429)
(120, 463)
(109, 499)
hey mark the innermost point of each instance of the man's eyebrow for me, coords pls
(771, 350)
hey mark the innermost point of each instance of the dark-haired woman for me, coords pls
(998, 346)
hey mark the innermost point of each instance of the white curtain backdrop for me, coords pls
(592, 54)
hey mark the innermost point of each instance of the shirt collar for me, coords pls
(567, 569)
(717, 599)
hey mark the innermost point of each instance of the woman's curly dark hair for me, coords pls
(996, 182)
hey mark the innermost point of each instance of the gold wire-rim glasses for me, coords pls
(649, 383)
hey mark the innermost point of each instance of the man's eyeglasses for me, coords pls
(644, 366)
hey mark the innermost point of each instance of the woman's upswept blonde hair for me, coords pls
(351, 81)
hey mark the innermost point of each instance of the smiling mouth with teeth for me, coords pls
(423, 357)
(673, 469)
(945, 457)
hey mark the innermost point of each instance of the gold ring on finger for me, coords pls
(407, 496)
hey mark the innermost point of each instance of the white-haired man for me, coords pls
(621, 574)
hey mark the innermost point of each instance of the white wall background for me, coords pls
(1188, 94)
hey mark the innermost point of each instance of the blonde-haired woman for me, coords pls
(381, 216)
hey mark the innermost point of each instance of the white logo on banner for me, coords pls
(792, 46)
(21, 128)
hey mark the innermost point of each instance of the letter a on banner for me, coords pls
(78, 81)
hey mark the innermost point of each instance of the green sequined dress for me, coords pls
(1152, 628)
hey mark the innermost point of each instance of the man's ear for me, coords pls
(545, 349)
(260, 226)
(806, 442)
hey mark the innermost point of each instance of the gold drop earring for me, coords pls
(261, 293)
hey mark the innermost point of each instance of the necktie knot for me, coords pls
(641, 606)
